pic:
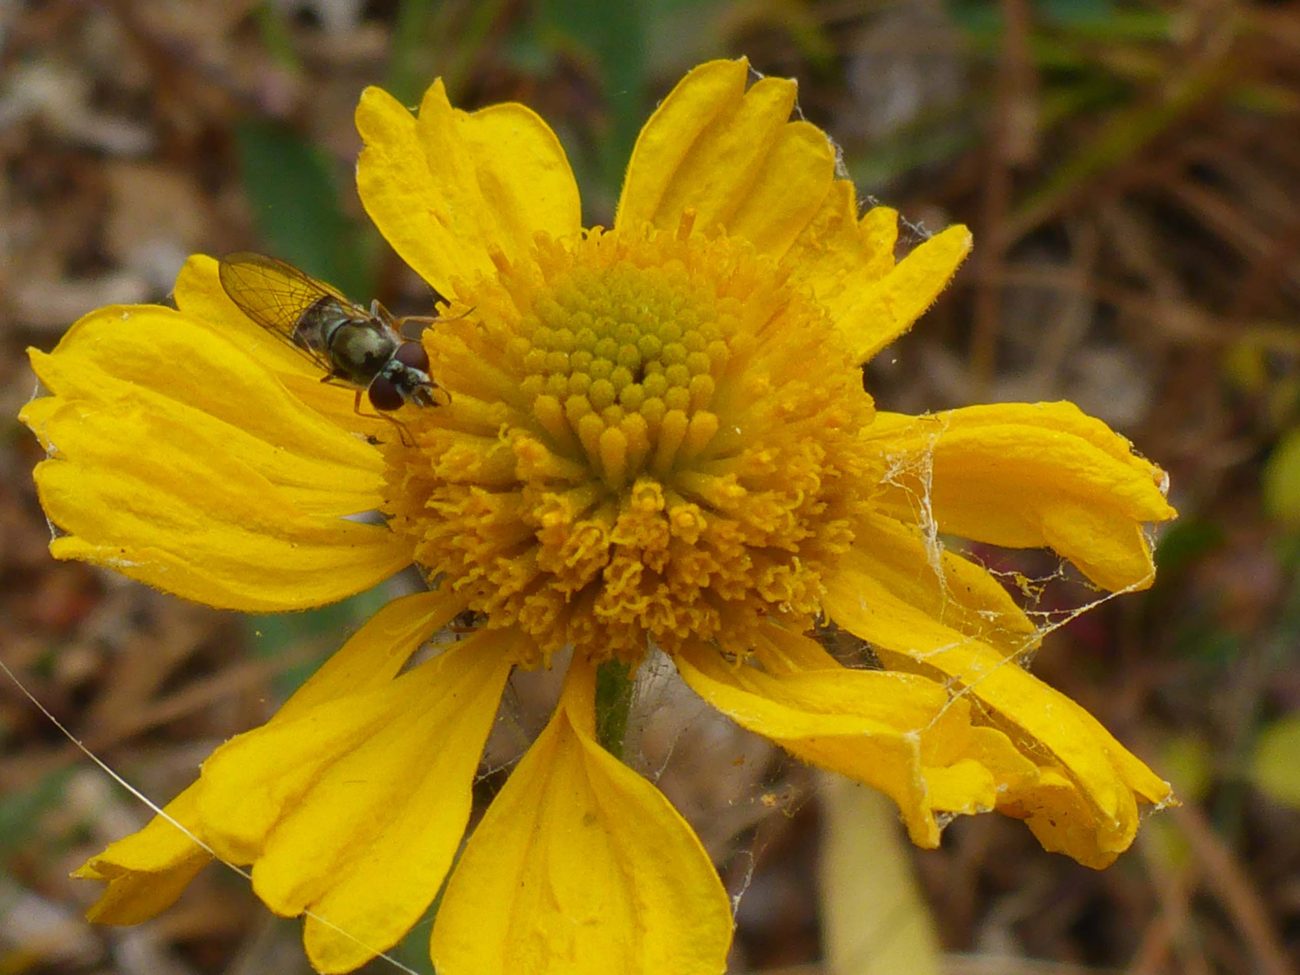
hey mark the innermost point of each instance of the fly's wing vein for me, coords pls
(275, 295)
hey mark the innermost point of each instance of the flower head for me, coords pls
(660, 465)
(654, 436)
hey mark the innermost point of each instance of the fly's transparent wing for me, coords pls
(276, 296)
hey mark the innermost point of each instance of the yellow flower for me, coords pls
(656, 436)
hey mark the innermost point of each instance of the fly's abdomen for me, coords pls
(317, 325)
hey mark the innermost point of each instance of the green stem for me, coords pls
(614, 682)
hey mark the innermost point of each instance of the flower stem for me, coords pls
(614, 680)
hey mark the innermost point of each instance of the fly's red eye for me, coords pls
(413, 356)
(384, 394)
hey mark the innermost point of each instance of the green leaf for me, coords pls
(294, 194)
(20, 812)
(1185, 543)
(612, 37)
(409, 70)
(1276, 761)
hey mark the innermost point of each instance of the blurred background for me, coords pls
(1131, 171)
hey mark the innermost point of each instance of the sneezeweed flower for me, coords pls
(655, 437)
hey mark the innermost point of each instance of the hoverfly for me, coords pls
(362, 349)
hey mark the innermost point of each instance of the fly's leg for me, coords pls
(401, 427)
(332, 380)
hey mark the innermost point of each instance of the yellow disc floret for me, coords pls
(650, 437)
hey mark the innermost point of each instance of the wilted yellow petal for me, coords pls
(901, 734)
(1093, 814)
(581, 867)
(1027, 475)
(449, 188)
(912, 585)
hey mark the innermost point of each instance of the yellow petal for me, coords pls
(354, 808)
(181, 462)
(911, 587)
(374, 654)
(875, 315)
(147, 358)
(1093, 814)
(149, 869)
(1027, 475)
(878, 238)
(581, 867)
(899, 733)
(450, 188)
(704, 99)
(848, 264)
(731, 155)
(836, 253)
